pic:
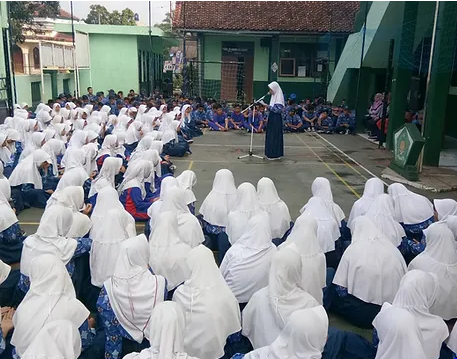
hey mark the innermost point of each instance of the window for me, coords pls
(36, 92)
(298, 60)
(18, 60)
(36, 58)
(66, 86)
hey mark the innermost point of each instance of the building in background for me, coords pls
(243, 45)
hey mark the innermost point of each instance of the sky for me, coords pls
(159, 8)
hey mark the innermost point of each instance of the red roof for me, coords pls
(62, 15)
(267, 16)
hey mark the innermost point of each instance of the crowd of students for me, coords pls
(239, 278)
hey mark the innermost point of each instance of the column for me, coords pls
(363, 101)
(25, 59)
(401, 78)
(54, 88)
(445, 40)
(274, 58)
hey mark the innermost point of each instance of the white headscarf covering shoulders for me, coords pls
(445, 208)
(275, 207)
(57, 339)
(155, 209)
(168, 128)
(90, 154)
(410, 207)
(110, 168)
(246, 206)
(27, 171)
(373, 188)
(108, 146)
(451, 222)
(270, 308)
(221, 200)
(440, 258)
(187, 180)
(135, 176)
(303, 337)
(75, 174)
(246, 265)
(382, 213)
(399, 335)
(362, 269)
(277, 97)
(52, 291)
(168, 252)
(133, 290)
(328, 230)
(7, 215)
(35, 143)
(417, 294)
(54, 147)
(303, 239)
(211, 310)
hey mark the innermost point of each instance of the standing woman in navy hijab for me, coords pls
(274, 142)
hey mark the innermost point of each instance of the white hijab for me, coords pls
(133, 134)
(321, 188)
(270, 308)
(156, 208)
(143, 145)
(107, 241)
(135, 176)
(50, 238)
(57, 339)
(187, 180)
(168, 128)
(410, 207)
(211, 310)
(399, 334)
(417, 293)
(189, 227)
(90, 154)
(133, 290)
(451, 222)
(277, 97)
(275, 207)
(373, 188)
(303, 239)
(7, 215)
(382, 214)
(246, 206)
(303, 337)
(246, 265)
(110, 168)
(77, 141)
(328, 229)
(27, 171)
(445, 208)
(221, 200)
(75, 174)
(35, 143)
(363, 267)
(108, 146)
(440, 258)
(51, 297)
(166, 335)
(54, 148)
(168, 252)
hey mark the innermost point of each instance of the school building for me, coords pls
(421, 39)
(244, 45)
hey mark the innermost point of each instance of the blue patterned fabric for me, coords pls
(342, 291)
(211, 229)
(11, 240)
(12, 235)
(415, 229)
(2, 342)
(411, 246)
(276, 108)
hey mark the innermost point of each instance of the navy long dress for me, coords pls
(274, 141)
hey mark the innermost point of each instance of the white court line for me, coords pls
(285, 161)
(254, 146)
(353, 160)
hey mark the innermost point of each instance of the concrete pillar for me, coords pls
(445, 40)
(25, 59)
(401, 79)
(54, 88)
(274, 58)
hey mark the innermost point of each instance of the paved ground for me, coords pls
(347, 161)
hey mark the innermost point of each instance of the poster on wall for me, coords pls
(238, 49)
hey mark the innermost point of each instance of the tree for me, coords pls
(115, 18)
(98, 15)
(128, 17)
(165, 25)
(22, 14)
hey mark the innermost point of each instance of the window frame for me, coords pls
(294, 67)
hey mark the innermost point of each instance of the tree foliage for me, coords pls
(165, 25)
(22, 14)
(100, 15)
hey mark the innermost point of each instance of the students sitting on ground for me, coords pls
(345, 123)
(293, 123)
(309, 117)
(236, 118)
(324, 123)
(219, 120)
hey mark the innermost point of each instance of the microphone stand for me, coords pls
(250, 154)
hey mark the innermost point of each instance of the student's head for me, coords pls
(132, 92)
(218, 109)
(89, 90)
(237, 108)
(307, 101)
(188, 110)
(120, 94)
(291, 112)
(201, 107)
(170, 107)
(310, 107)
(85, 99)
(346, 110)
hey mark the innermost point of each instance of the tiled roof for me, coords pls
(274, 16)
(66, 15)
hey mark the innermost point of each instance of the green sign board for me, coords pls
(408, 144)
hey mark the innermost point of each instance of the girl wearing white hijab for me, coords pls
(27, 175)
(133, 135)
(413, 211)
(303, 240)
(362, 280)
(440, 258)
(143, 145)
(373, 188)
(246, 206)
(187, 180)
(399, 334)
(451, 222)
(77, 141)
(168, 252)
(166, 336)
(276, 208)
(445, 208)
(303, 337)
(188, 124)
(108, 149)
(156, 208)
(75, 174)
(36, 142)
(274, 142)
(246, 265)
(270, 308)
(51, 297)
(57, 339)
(417, 293)
(211, 310)
(110, 168)
(128, 298)
(55, 148)
(173, 145)
(90, 154)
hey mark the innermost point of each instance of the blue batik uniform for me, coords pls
(326, 125)
(294, 120)
(343, 120)
(256, 122)
(238, 118)
(219, 119)
(310, 115)
(189, 127)
(200, 117)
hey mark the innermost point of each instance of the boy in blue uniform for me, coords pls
(309, 117)
(201, 116)
(236, 118)
(293, 122)
(324, 123)
(219, 121)
(257, 123)
(346, 122)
